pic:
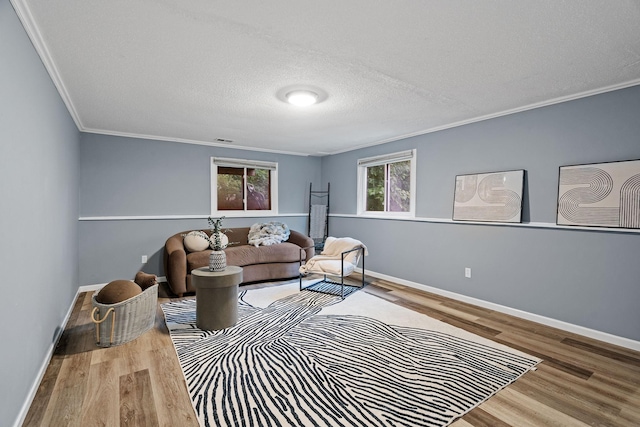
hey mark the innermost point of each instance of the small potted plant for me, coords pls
(219, 241)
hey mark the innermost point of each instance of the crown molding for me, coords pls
(29, 24)
(534, 106)
(192, 141)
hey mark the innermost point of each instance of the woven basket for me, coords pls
(124, 321)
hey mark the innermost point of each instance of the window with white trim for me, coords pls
(242, 187)
(386, 184)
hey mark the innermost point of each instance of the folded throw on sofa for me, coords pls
(269, 233)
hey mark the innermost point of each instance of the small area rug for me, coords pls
(310, 359)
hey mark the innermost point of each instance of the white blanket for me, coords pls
(269, 233)
(330, 259)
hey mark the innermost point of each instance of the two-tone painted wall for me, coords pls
(39, 157)
(135, 193)
(588, 278)
(584, 277)
(83, 209)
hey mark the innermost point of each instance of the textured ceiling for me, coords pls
(195, 71)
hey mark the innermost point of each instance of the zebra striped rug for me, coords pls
(311, 359)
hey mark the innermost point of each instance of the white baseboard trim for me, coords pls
(548, 321)
(569, 327)
(47, 359)
(565, 326)
(98, 286)
(43, 368)
(91, 288)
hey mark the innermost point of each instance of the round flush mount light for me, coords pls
(301, 95)
(302, 98)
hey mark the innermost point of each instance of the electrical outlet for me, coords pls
(144, 259)
(467, 272)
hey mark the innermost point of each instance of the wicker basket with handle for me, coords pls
(124, 321)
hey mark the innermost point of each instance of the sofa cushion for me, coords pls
(196, 241)
(248, 255)
(118, 291)
(242, 255)
(238, 236)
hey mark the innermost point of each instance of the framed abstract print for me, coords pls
(494, 196)
(600, 195)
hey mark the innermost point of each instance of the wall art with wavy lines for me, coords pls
(495, 197)
(600, 195)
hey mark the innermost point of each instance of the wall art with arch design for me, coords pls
(493, 197)
(600, 195)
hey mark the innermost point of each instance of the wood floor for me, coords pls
(581, 382)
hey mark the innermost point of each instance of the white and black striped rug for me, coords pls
(310, 359)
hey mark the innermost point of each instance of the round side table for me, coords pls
(216, 297)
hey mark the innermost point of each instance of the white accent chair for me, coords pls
(339, 258)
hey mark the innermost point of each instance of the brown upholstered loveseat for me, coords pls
(280, 261)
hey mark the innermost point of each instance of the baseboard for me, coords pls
(43, 368)
(565, 326)
(91, 288)
(548, 321)
(47, 359)
(98, 286)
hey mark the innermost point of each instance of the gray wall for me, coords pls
(587, 278)
(136, 177)
(39, 152)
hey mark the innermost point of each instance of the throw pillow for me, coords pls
(224, 241)
(196, 241)
(145, 280)
(118, 291)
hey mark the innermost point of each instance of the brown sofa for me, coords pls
(280, 261)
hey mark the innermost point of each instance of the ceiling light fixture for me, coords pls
(302, 98)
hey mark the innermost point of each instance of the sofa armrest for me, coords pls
(303, 253)
(176, 264)
(305, 242)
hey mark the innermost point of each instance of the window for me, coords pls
(386, 184)
(242, 186)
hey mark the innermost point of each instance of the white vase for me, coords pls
(217, 261)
